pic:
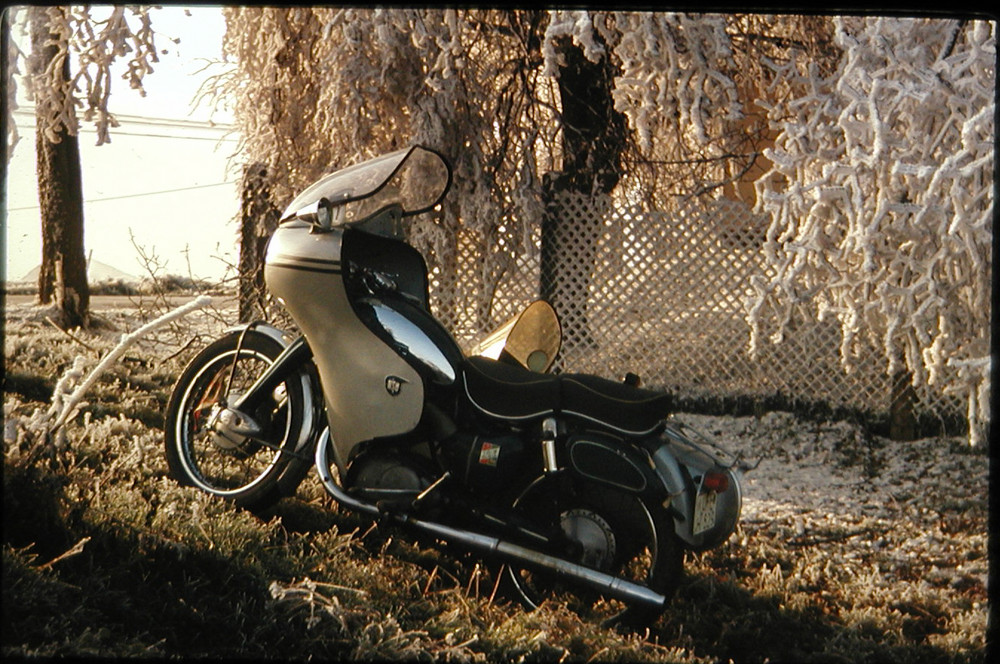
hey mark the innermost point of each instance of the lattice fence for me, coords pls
(665, 299)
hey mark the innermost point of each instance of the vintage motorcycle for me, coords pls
(554, 478)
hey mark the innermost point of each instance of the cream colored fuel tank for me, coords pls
(370, 391)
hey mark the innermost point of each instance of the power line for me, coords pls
(215, 139)
(118, 132)
(29, 112)
(224, 131)
(118, 198)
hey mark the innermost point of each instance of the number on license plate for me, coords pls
(704, 512)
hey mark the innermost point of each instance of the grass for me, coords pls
(105, 556)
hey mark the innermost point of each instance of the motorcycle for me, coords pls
(557, 478)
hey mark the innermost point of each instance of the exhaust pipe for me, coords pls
(612, 586)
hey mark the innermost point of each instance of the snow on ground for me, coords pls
(906, 501)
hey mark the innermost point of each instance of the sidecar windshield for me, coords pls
(416, 179)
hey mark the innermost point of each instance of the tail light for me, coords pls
(717, 482)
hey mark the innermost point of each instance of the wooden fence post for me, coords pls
(902, 420)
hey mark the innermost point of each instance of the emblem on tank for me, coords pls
(394, 385)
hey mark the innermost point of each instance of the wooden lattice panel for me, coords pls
(665, 298)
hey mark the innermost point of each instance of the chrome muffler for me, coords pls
(489, 546)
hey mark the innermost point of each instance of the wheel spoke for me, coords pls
(605, 529)
(219, 469)
(205, 454)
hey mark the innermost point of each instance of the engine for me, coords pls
(389, 476)
(482, 463)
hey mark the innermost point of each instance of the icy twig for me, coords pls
(75, 550)
(71, 336)
(119, 350)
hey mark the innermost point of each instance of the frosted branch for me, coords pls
(903, 163)
(63, 405)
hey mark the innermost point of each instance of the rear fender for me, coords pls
(681, 464)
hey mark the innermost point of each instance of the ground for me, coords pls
(851, 547)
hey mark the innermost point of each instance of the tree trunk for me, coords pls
(258, 219)
(63, 273)
(594, 138)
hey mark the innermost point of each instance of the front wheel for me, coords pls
(253, 472)
(605, 529)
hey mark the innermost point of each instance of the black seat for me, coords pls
(622, 407)
(510, 392)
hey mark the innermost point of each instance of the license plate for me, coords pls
(704, 512)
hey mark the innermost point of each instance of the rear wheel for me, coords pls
(252, 471)
(605, 529)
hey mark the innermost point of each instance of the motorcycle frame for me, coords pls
(377, 366)
(673, 467)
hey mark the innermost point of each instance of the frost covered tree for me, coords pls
(701, 105)
(57, 88)
(516, 99)
(679, 92)
(881, 200)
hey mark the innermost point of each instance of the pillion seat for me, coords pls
(513, 393)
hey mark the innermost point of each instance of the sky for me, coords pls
(165, 186)
(175, 81)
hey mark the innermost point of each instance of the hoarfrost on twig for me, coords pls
(904, 160)
(67, 397)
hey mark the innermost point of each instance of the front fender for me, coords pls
(311, 389)
(282, 337)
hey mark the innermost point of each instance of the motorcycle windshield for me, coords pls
(416, 179)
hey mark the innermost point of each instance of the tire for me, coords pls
(251, 474)
(613, 531)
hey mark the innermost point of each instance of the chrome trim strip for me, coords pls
(306, 268)
(627, 432)
(506, 418)
(307, 259)
(324, 265)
